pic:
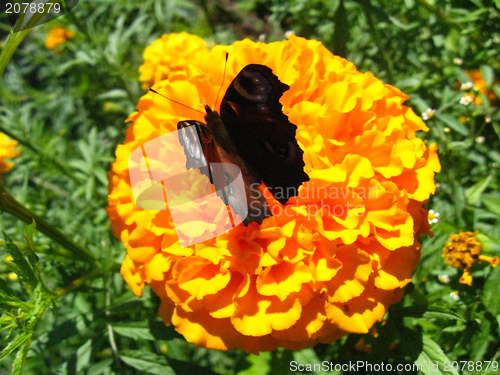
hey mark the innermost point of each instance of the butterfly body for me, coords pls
(253, 133)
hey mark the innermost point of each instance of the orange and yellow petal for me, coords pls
(169, 54)
(7, 151)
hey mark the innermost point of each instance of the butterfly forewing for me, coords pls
(261, 132)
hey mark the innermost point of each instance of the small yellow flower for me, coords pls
(7, 151)
(458, 61)
(57, 36)
(463, 251)
(169, 54)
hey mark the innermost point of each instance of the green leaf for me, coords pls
(488, 74)
(14, 344)
(490, 295)
(146, 362)
(473, 193)
(481, 339)
(21, 356)
(459, 145)
(432, 359)
(146, 330)
(453, 123)
(280, 361)
(306, 356)
(436, 312)
(83, 355)
(10, 47)
(30, 250)
(492, 203)
(136, 333)
(151, 363)
(496, 89)
(341, 32)
(23, 268)
(259, 364)
(8, 295)
(309, 356)
(100, 368)
(462, 76)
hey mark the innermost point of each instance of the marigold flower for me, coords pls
(7, 151)
(304, 275)
(57, 36)
(463, 251)
(169, 54)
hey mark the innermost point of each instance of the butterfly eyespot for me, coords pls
(254, 87)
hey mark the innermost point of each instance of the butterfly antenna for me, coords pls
(222, 84)
(176, 102)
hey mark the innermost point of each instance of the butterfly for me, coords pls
(253, 133)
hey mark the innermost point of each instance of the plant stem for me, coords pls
(381, 49)
(77, 283)
(9, 204)
(63, 168)
(440, 15)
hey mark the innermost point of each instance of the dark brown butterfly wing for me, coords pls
(261, 133)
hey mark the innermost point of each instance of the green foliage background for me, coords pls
(66, 314)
